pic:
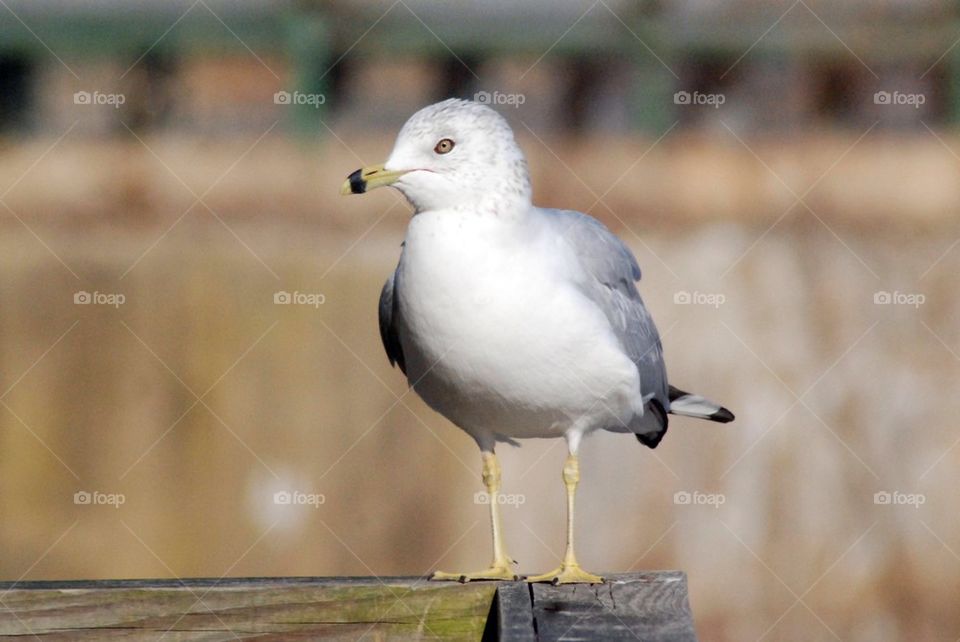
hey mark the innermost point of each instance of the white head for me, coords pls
(455, 153)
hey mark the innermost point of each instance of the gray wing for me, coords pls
(612, 274)
(388, 324)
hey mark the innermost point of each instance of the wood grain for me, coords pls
(262, 608)
(651, 607)
(637, 606)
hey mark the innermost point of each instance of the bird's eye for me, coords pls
(444, 146)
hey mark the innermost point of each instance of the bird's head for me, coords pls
(451, 154)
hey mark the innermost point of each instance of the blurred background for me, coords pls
(191, 377)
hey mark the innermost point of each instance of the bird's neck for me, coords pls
(495, 225)
(506, 207)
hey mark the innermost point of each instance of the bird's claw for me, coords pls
(567, 574)
(499, 571)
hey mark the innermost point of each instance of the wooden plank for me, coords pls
(268, 609)
(646, 606)
(652, 607)
(512, 614)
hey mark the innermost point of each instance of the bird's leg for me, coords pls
(502, 567)
(569, 571)
(491, 481)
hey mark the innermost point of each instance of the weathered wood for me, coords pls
(644, 606)
(652, 607)
(512, 614)
(267, 609)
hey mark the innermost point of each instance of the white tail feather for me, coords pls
(690, 405)
(693, 406)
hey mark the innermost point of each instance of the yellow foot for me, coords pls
(567, 574)
(501, 571)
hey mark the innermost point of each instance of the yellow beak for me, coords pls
(368, 178)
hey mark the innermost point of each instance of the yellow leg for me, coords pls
(569, 571)
(502, 567)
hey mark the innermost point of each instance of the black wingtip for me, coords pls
(722, 416)
(653, 439)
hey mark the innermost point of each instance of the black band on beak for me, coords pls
(357, 184)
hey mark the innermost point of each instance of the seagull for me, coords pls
(511, 320)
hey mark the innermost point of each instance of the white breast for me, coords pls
(497, 338)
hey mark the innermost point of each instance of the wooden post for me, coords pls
(646, 606)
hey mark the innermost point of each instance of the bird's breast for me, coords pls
(487, 320)
(465, 285)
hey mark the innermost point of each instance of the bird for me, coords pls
(511, 320)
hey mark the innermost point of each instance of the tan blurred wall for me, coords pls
(302, 398)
